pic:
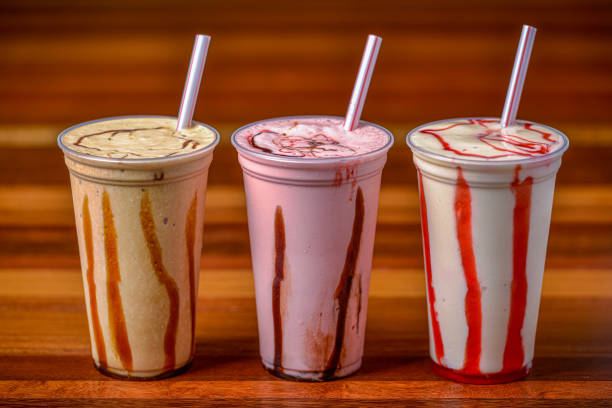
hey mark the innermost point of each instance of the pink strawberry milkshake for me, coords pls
(312, 199)
(486, 198)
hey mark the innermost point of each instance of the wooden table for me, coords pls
(63, 64)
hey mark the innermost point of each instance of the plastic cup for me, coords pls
(139, 225)
(485, 231)
(311, 224)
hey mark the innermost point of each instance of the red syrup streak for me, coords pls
(473, 307)
(520, 145)
(514, 353)
(350, 175)
(497, 378)
(435, 325)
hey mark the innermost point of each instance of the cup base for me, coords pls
(142, 376)
(496, 378)
(312, 376)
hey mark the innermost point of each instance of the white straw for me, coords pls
(192, 84)
(521, 61)
(353, 113)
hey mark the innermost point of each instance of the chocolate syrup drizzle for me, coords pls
(279, 275)
(299, 146)
(359, 294)
(113, 132)
(342, 294)
(343, 291)
(512, 144)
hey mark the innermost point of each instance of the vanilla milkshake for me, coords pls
(138, 189)
(312, 199)
(486, 197)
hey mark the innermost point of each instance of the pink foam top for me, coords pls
(310, 138)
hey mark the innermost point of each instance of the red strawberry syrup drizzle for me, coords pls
(514, 353)
(431, 295)
(473, 307)
(512, 144)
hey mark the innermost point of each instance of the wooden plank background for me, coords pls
(63, 62)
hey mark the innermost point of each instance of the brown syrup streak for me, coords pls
(91, 285)
(148, 228)
(343, 290)
(190, 230)
(113, 277)
(194, 144)
(279, 275)
(252, 142)
(359, 303)
(112, 133)
(186, 142)
(299, 146)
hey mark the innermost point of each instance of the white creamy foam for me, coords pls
(311, 138)
(485, 139)
(137, 138)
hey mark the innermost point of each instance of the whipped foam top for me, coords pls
(485, 139)
(137, 138)
(310, 138)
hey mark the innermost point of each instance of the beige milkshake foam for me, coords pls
(137, 138)
(484, 139)
(138, 191)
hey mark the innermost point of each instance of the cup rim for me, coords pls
(111, 161)
(485, 163)
(315, 161)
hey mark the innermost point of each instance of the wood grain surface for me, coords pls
(64, 62)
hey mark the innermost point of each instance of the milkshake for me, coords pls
(138, 189)
(486, 196)
(312, 199)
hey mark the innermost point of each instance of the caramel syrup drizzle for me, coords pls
(113, 277)
(91, 285)
(155, 251)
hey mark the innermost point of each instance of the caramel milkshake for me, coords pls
(138, 190)
(486, 197)
(312, 199)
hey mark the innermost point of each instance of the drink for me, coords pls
(486, 198)
(312, 199)
(138, 190)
